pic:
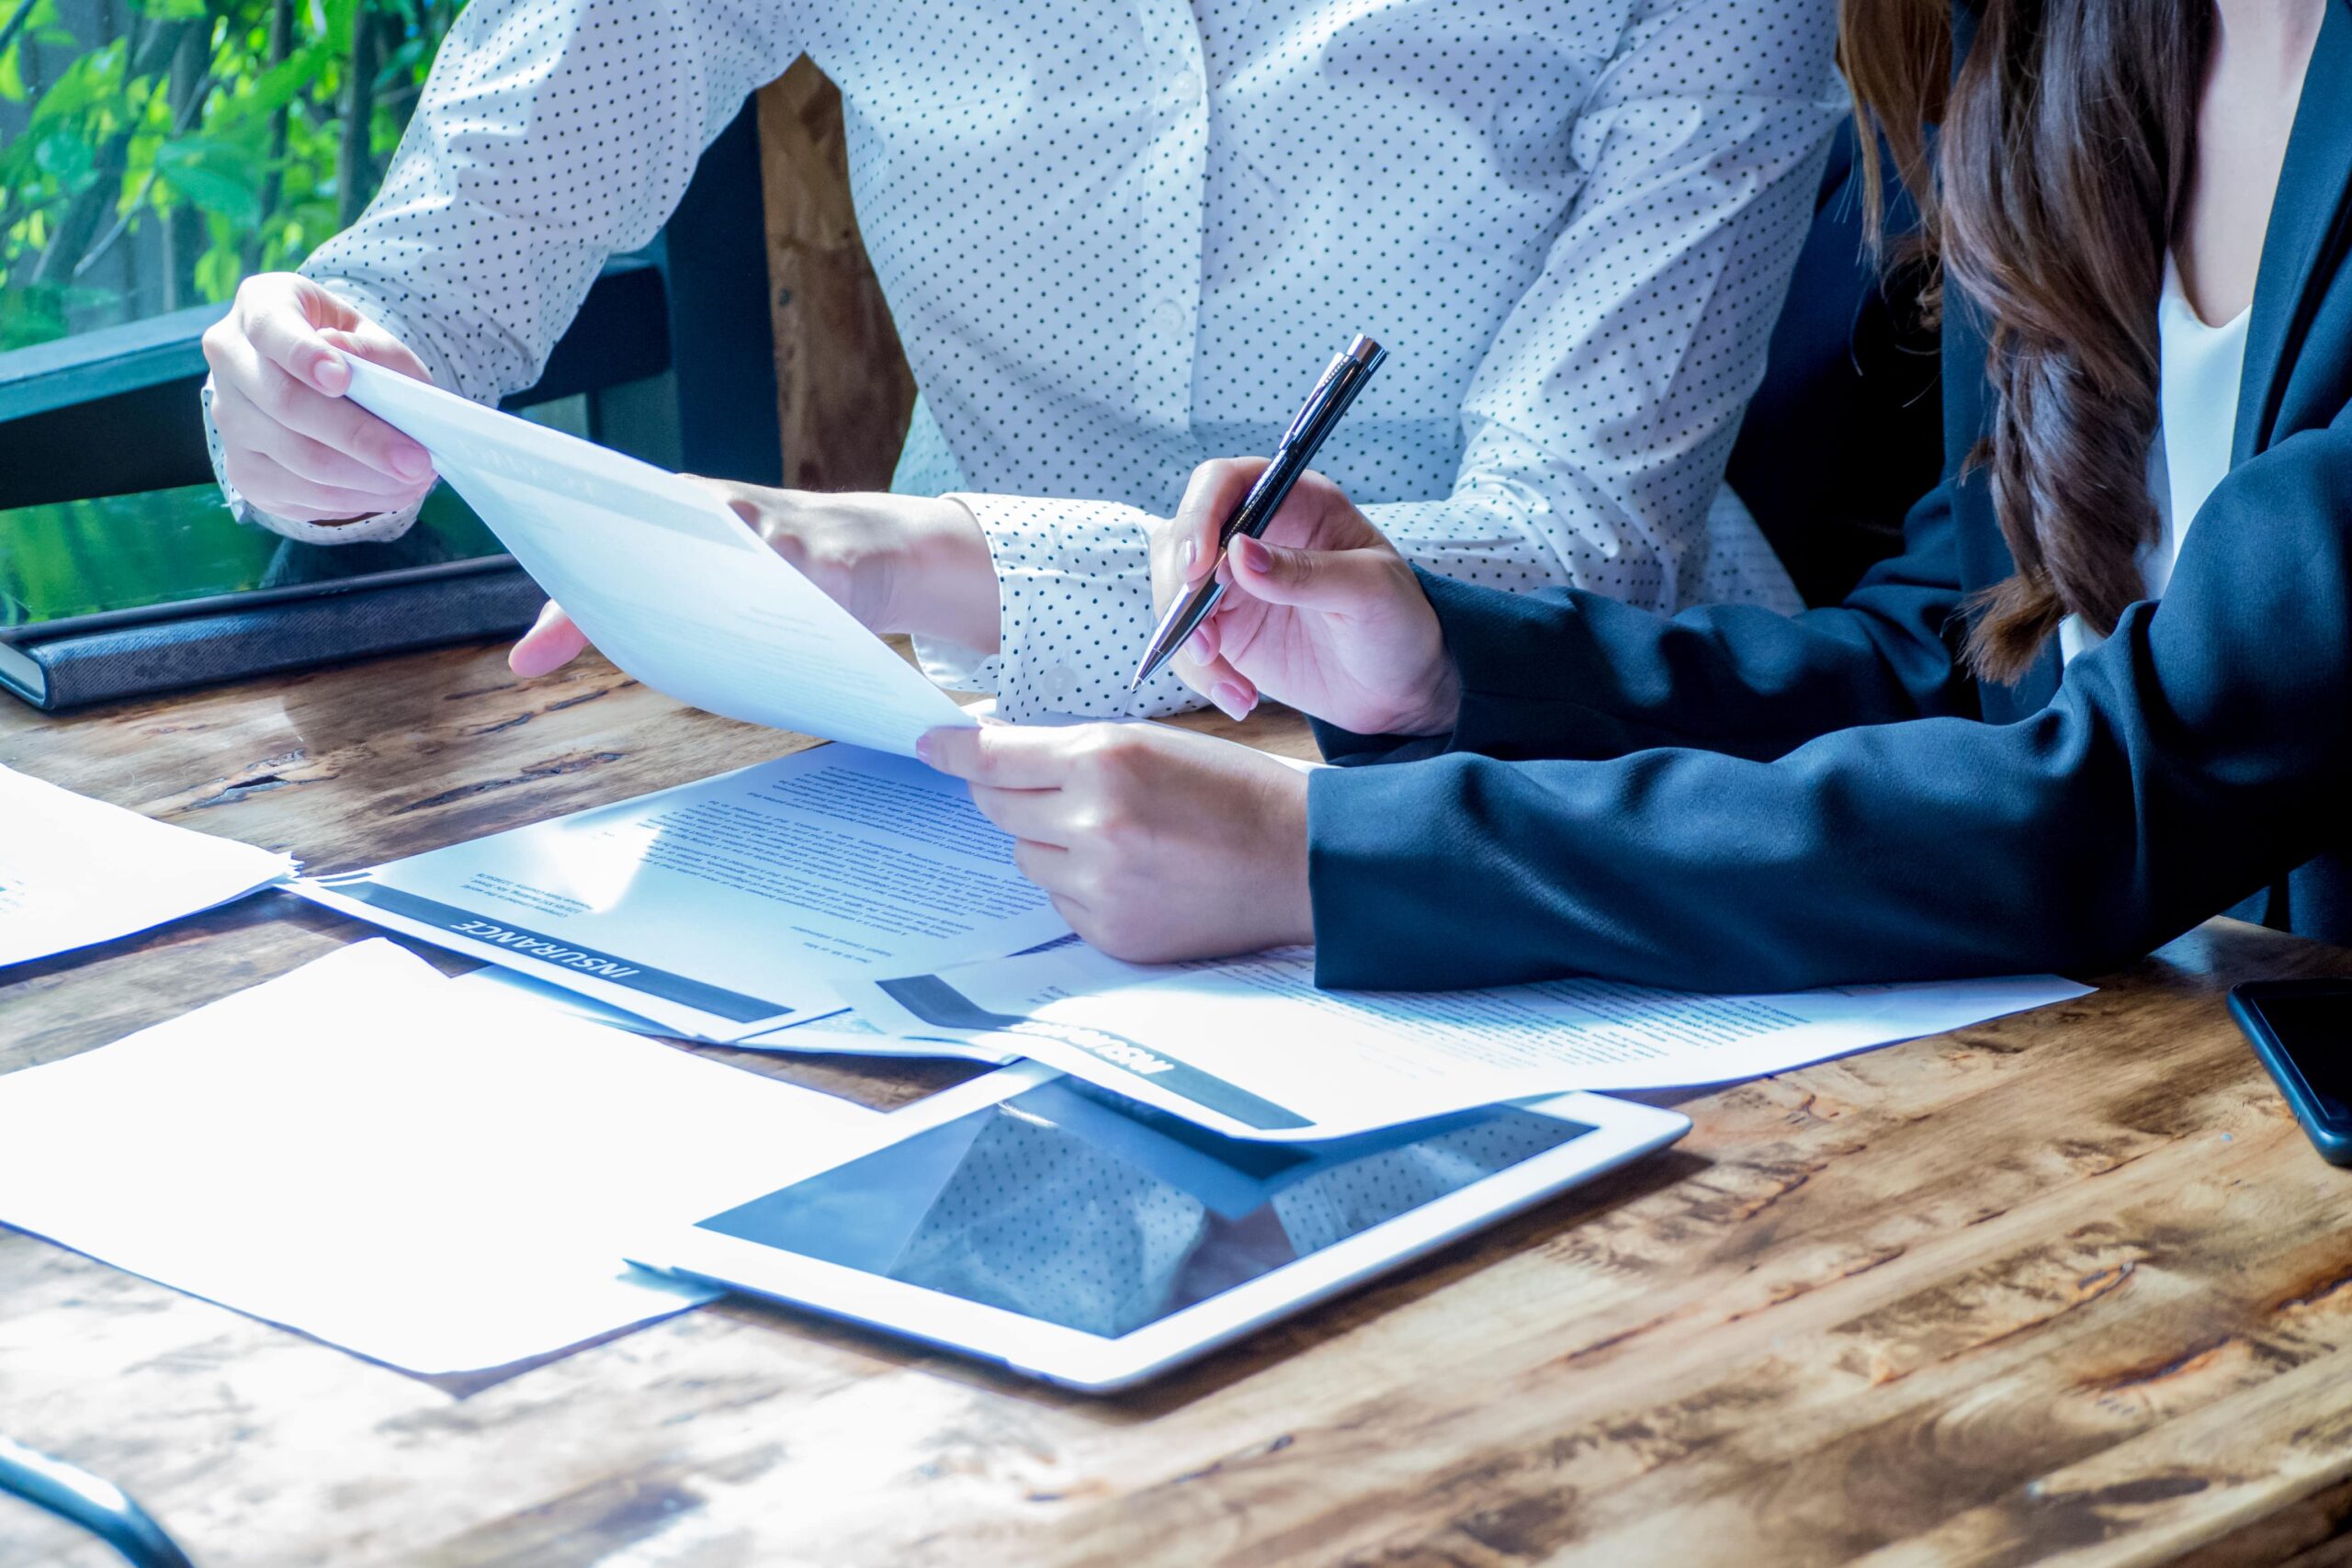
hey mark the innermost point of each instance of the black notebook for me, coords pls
(124, 595)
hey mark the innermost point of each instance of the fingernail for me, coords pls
(331, 374)
(922, 748)
(411, 462)
(1191, 551)
(1229, 700)
(1197, 645)
(1254, 554)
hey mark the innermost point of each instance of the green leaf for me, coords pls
(273, 90)
(66, 154)
(217, 271)
(30, 315)
(137, 158)
(93, 117)
(95, 80)
(335, 17)
(215, 176)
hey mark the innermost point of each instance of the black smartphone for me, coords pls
(2302, 1032)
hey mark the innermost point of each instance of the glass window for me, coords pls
(155, 152)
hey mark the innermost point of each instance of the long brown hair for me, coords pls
(2050, 194)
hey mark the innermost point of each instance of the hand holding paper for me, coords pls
(664, 578)
(898, 563)
(291, 442)
(1153, 843)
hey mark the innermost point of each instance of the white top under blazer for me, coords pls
(2200, 371)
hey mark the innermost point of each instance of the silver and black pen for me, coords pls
(1341, 380)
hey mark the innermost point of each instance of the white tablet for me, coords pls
(1035, 1219)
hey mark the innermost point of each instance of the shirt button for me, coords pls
(1172, 319)
(1058, 686)
(1188, 81)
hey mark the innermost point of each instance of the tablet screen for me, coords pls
(120, 553)
(1068, 1205)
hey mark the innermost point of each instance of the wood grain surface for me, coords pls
(2069, 1287)
(843, 391)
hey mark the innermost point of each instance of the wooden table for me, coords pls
(2065, 1287)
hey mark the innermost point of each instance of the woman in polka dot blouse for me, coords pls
(1119, 239)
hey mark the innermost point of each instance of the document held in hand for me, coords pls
(663, 578)
(1251, 1048)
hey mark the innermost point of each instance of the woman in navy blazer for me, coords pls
(1736, 800)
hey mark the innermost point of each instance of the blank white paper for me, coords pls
(442, 1181)
(76, 871)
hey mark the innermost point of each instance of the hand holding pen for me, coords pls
(1321, 614)
(1345, 376)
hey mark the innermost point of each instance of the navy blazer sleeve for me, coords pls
(1563, 672)
(2197, 753)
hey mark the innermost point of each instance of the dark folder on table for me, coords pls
(126, 595)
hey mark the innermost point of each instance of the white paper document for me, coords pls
(663, 578)
(76, 871)
(728, 907)
(443, 1181)
(1251, 1048)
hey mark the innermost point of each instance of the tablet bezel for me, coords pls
(1622, 1131)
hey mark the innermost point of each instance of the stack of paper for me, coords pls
(1251, 1048)
(444, 1181)
(76, 871)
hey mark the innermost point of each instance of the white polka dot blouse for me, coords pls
(1119, 239)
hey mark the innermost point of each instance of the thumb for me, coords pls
(551, 644)
(1341, 581)
(373, 344)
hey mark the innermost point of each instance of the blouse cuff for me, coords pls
(1074, 584)
(354, 531)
